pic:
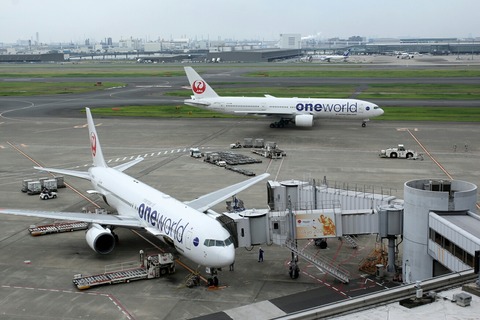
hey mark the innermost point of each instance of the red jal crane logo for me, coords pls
(199, 87)
(93, 143)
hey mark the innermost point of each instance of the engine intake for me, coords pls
(304, 120)
(100, 239)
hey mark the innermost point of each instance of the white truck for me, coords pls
(195, 153)
(398, 152)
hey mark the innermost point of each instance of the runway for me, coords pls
(36, 272)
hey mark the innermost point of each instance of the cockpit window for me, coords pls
(209, 243)
(229, 241)
(218, 243)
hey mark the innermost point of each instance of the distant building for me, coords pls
(290, 41)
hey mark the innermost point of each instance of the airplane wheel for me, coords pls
(272, 125)
(215, 281)
(364, 125)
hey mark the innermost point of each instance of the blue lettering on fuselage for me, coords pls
(326, 107)
(171, 228)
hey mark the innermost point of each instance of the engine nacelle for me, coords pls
(100, 239)
(304, 120)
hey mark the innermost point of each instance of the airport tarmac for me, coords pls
(36, 272)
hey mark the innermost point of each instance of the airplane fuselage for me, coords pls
(319, 108)
(171, 220)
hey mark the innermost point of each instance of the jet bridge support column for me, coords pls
(391, 254)
(390, 225)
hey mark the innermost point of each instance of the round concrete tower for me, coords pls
(421, 197)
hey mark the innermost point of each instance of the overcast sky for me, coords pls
(66, 20)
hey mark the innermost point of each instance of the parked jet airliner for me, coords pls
(301, 111)
(182, 225)
(329, 58)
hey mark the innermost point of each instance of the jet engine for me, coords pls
(304, 120)
(100, 239)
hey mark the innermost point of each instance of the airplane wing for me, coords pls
(207, 201)
(102, 219)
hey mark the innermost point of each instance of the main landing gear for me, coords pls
(364, 123)
(280, 124)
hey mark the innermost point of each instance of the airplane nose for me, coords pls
(230, 255)
(380, 111)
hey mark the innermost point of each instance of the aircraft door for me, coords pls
(188, 240)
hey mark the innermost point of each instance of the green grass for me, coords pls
(330, 91)
(23, 88)
(446, 114)
(88, 70)
(369, 73)
(374, 91)
(421, 91)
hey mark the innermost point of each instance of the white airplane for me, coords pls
(405, 55)
(301, 111)
(183, 225)
(329, 58)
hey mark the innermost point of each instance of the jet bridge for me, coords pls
(437, 222)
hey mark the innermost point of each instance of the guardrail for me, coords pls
(383, 297)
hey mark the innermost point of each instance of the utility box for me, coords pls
(34, 187)
(247, 142)
(50, 184)
(462, 299)
(25, 184)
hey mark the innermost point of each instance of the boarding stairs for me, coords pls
(328, 266)
(350, 240)
(129, 271)
(154, 266)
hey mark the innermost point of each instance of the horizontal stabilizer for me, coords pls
(124, 166)
(194, 102)
(73, 173)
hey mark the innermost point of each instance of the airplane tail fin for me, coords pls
(346, 53)
(200, 87)
(97, 155)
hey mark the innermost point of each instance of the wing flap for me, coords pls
(207, 201)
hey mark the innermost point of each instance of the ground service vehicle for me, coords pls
(398, 152)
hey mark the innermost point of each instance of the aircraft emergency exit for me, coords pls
(300, 111)
(183, 225)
